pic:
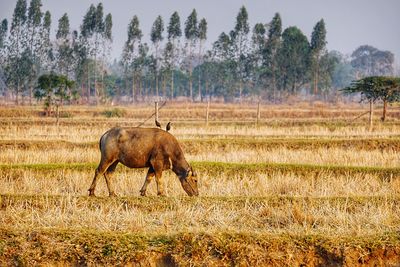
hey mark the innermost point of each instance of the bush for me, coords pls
(116, 112)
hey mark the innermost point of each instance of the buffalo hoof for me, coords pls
(91, 193)
(113, 194)
(161, 194)
(142, 193)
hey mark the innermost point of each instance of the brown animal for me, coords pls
(144, 147)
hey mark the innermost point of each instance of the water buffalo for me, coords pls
(144, 147)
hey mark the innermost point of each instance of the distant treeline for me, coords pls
(263, 61)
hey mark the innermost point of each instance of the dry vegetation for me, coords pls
(304, 186)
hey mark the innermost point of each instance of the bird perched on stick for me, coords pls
(168, 126)
(158, 124)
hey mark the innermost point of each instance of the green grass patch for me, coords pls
(193, 146)
(235, 169)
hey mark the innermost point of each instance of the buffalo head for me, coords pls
(189, 182)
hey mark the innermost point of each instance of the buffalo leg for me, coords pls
(108, 176)
(103, 166)
(149, 176)
(160, 187)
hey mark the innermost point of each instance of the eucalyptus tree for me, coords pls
(156, 38)
(64, 56)
(3, 39)
(16, 49)
(97, 34)
(131, 52)
(167, 64)
(87, 28)
(225, 65)
(3, 45)
(294, 59)
(106, 42)
(318, 49)
(174, 34)
(258, 40)
(33, 25)
(270, 54)
(46, 56)
(92, 32)
(202, 38)
(191, 36)
(240, 38)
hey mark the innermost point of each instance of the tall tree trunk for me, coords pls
(96, 93)
(190, 84)
(164, 83)
(88, 83)
(190, 72)
(102, 80)
(371, 114)
(316, 76)
(172, 84)
(273, 84)
(16, 95)
(30, 94)
(384, 110)
(157, 71)
(200, 97)
(157, 84)
(133, 88)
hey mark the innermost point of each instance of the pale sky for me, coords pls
(349, 23)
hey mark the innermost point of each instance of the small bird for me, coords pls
(168, 126)
(158, 124)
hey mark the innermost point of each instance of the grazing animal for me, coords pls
(144, 147)
(168, 127)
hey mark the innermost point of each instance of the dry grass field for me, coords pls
(306, 186)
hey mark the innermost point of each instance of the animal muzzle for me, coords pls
(190, 188)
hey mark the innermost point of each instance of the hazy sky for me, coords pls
(349, 23)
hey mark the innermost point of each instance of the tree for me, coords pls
(271, 51)
(258, 41)
(33, 36)
(318, 48)
(45, 50)
(174, 33)
(156, 38)
(87, 29)
(326, 72)
(3, 43)
(131, 52)
(92, 32)
(55, 90)
(375, 88)
(16, 74)
(98, 34)
(240, 38)
(202, 39)
(191, 35)
(294, 59)
(369, 61)
(225, 67)
(343, 73)
(3, 39)
(64, 58)
(106, 42)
